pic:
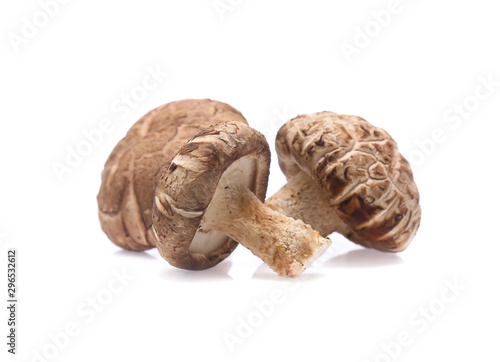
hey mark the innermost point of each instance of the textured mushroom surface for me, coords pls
(132, 170)
(365, 184)
(211, 196)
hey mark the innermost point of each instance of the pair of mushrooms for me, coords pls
(190, 178)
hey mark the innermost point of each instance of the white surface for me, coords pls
(266, 59)
(241, 172)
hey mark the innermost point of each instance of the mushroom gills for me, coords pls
(242, 172)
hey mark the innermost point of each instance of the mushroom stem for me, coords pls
(288, 246)
(302, 190)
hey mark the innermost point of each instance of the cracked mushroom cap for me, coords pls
(132, 170)
(368, 182)
(225, 155)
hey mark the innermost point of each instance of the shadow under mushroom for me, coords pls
(218, 272)
(133, 254)
(364, 258)
(263, 272)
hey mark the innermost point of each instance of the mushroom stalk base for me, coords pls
(286, 245)
(301, 198)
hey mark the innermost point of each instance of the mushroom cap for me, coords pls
(132, 170)
(188, 184)
(369, 183)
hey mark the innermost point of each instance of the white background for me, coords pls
(265, 58)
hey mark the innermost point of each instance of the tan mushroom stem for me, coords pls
(302, 190)
(287, 245)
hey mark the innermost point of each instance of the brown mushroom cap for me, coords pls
(187, 187)
(366, 180)
(132, 170)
